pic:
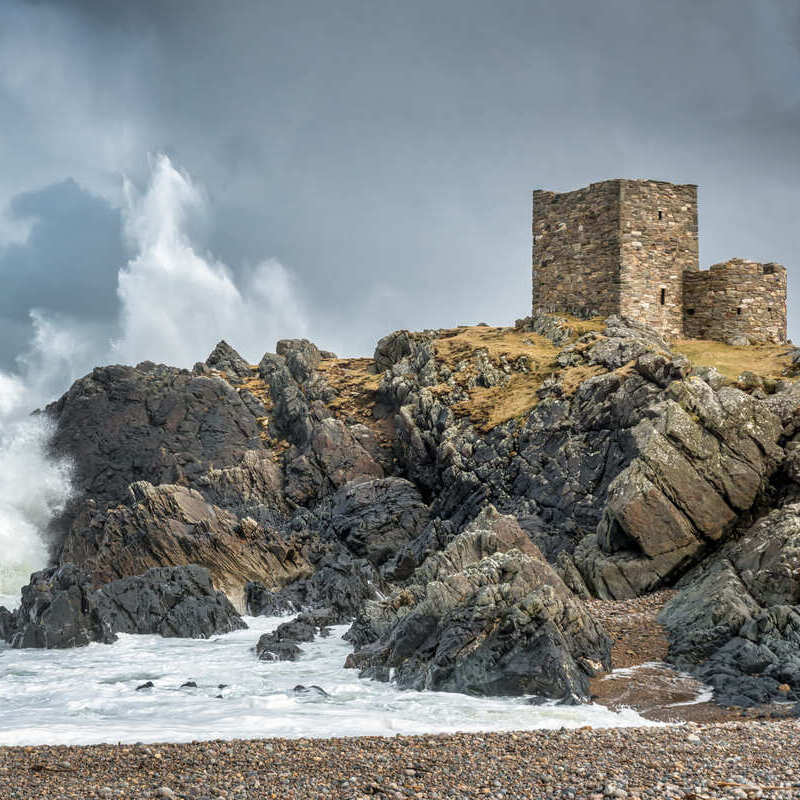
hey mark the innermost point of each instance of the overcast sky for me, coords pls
(371, 162)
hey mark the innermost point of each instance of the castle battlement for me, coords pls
(630, 247)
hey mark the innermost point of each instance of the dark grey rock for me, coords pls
(486, 615)
(263, 602)
(376, 519)
(121, 424)
(144, 686)
(391, 349)
(171, 601)
(701, 459)
(225, 359)
(735, 622)
(313, 689)
(282, 644)
(302, 357)
(60, 608)
(6, 623)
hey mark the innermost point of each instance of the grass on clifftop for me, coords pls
(767, 360)
(530, 359)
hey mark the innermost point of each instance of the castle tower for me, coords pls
(616, 247)
(736, 299)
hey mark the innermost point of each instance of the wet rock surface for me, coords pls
(735, 622)
(486, 615)
(60, 608)
(283, 644)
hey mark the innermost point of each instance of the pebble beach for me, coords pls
(724, 760)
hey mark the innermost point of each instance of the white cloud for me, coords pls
(176, 304)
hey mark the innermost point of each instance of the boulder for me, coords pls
(60, 608)
(377, 518)
(6, 623)
(625, 341)
(171, 601)
(282, 644)
(260, 601)
(225, 359)
(735, 623)
(302, 357)
(487, 615)
(291, 416)
(391, 349)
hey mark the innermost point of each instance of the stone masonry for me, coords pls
(658, 245)
(630, 247)
(734, 299)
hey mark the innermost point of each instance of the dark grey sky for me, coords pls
(384, 152)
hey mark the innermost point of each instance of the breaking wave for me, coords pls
(33, 488)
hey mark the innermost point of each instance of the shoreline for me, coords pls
(717, 760)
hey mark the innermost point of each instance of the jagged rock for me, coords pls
(6, 623)
(341, 458)
(486, 615)
(661, 369)
(291, 416)
(283, 643)
(225, 359)
(171, 601)
(712, 376)
(340, 584)
(376, 519)
(624, 341)
(60, 608)
(259, 601)
(171, 525)
(253, 487)
(700, 461)
(121, 424)
(301, 357)
(556, 329)
(391, 349)
(735, 622)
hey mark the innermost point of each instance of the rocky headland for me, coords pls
(495, 510)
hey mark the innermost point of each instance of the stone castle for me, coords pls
(629, 247)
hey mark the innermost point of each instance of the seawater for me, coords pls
(88, 695)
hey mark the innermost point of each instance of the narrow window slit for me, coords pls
(663, 292)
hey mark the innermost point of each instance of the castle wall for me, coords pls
(658, 244)
(576, 251)
(736, 298)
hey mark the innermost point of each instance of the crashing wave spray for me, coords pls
(33, 488)
(176, 303)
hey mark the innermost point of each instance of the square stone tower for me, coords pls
(616, 247)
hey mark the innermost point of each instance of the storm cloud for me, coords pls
(383, 153)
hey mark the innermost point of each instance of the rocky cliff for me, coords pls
(459, 495)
